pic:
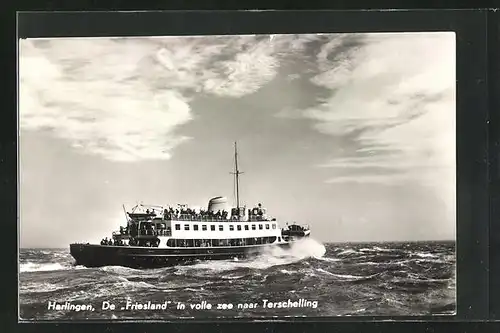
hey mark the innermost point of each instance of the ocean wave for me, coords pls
(424, 255)
(269, 257)
(348, 252)
(233, 277)
(381, 249)
(113, 289)
(348, 276)
(284, 271)
(118, 269)
(193, 289)
(41, 267)
(328, 259)
(41, 287)
(347, 279)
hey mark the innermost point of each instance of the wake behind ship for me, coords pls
(157, 236)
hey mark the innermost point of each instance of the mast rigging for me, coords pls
(236, 174)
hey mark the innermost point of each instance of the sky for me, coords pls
(352, 134)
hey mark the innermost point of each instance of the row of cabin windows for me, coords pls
(221, 227)
(221, 242)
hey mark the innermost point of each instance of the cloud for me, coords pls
(393, 95)
(125, 98)
(93, 106)
(228, 66)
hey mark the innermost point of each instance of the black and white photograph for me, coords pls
(237, 176)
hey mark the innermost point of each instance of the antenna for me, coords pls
(236, 174)
(125, 212)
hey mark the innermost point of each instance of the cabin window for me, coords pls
(186, 226)
(274, 226)
(221, 228)
(212, 227)
(231, 228)
(204, 227)
(261, 227)
(171, 242)
(267, 226)
(215, 242)
(197, 242)
(189, 243)
(177, 227)
(246, 227)
(239, 227)
(253, 226)
(195, 227)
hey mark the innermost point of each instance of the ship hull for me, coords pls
(90, 255)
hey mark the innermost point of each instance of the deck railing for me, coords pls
(158, 232)
(204, 218)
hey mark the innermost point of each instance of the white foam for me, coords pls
(40, 287)
(34, 267)
(348, 251)
(425, 255)
(328, 259)
(346, 276)
(269, 257)
(117, 269)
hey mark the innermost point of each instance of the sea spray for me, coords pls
(268, 257)
(40, 267)
(308, 247)
(301, 249)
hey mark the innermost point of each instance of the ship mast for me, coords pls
(236, 174)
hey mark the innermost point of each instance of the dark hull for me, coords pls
(90, 255)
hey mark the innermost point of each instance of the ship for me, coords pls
(157, 236)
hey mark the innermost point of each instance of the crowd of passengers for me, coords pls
(205, 214)
(132, 242)
(115, 242)
(191, 213)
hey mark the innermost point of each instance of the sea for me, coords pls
(309, 280)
